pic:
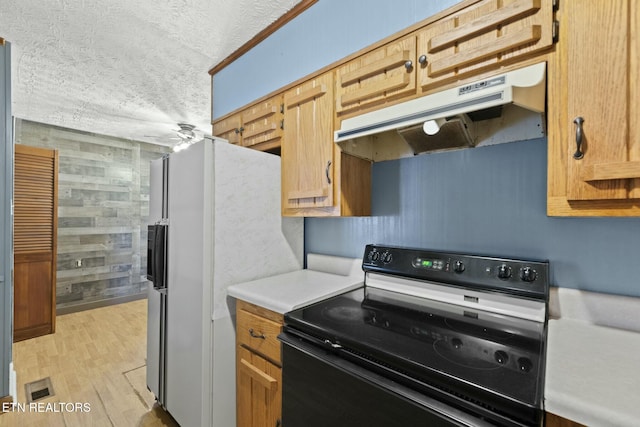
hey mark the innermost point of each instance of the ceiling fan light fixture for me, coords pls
(186, 131)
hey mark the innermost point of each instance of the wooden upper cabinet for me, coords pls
(318, 179)
(307, 149)
(377, 77)
(229, 128)
(484, 36)
(471, 43)
(594, 119)
(258, 126)
(262, 124)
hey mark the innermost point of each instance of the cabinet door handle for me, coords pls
(255, 335)
(579, 138)
(408, 65)
(327, 172)
(423, 60)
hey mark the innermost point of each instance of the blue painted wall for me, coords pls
(323, 34)
(488, 200)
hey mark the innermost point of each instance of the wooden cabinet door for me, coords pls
(377, 77)
(35, 230)
(593, 98)
(229, 128)
(259, 394)
(307, 147)
(599, 83)
(482, 37)
(262, 124)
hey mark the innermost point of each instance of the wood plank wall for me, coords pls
(103, 207)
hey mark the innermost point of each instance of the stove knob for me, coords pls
(501, 357)
(376, 256)
(504, 272)
(524, 364)
(527, 274)
(458, 267)
(386, 257)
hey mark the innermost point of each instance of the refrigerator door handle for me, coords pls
(159, 257)
(151, 236)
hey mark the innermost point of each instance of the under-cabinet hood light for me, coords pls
(432, 127)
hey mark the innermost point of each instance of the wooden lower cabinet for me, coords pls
(258, 366)
(552, 420)
(259, 384)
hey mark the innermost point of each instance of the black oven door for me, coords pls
(321, 389)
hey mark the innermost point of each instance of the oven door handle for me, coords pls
(456, 416)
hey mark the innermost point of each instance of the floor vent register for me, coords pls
(38, 390)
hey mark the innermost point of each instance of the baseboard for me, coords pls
(100, 303)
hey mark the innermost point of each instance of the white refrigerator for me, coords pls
(215, 220)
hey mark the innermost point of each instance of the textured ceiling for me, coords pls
(126, 68)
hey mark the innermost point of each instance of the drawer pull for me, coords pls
(254, 335)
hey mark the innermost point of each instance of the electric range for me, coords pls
(453, 335)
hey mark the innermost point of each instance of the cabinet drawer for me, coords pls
(258, 334)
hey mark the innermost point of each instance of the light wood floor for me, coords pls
(96, 357)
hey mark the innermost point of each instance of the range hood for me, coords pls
(449, 111)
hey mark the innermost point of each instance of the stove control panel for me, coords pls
(514, 276)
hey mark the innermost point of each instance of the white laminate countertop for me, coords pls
(593, 369)
(289, 291)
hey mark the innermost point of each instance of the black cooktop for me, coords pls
(477, 355)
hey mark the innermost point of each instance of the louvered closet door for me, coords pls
(35, 230)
